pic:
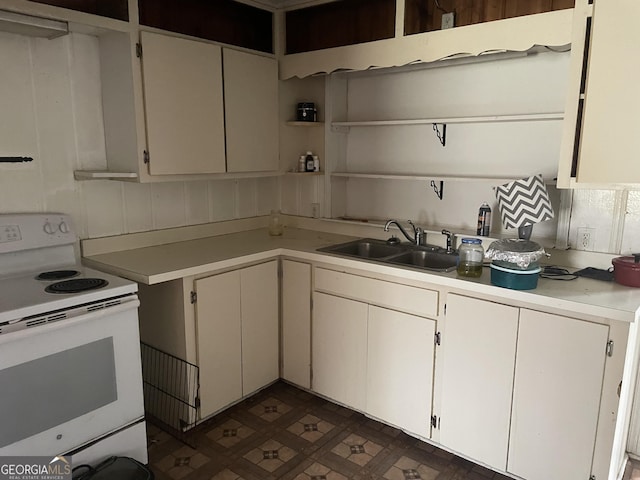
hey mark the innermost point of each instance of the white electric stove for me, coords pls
(70, 352)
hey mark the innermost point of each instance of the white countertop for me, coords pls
(155, 264)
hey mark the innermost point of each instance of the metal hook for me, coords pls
(438, 191)
(441, 136)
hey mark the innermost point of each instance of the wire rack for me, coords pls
(171, 390)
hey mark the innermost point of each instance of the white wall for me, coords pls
(50, 109)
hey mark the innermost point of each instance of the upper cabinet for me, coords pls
(171, 114)
(600, 141)
(319, 40)
(251, 111)
(184, 105)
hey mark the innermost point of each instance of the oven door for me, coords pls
(72, 381)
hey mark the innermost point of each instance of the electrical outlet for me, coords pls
(585, 239)
(315, 210)
(448, 20)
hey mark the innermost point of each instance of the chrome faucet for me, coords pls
(449, 240)
(419, 235)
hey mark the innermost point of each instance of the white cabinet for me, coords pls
(251, 111)
(171, 113)
(479, 350)
(400, 350)
(519, 386)
(184, 105)
(556, 397)
(374, 349)
(219, 341)
(339, 334)
(296, 323)
(237, 334)
(600, 141)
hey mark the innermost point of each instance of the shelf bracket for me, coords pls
(438, 190)
(441, 136)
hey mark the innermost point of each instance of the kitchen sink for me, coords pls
(428, 257)
(365, 248)
(441, 262)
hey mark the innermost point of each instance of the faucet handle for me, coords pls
(415, 229)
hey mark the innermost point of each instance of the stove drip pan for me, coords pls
(57, 275)
(76, 285)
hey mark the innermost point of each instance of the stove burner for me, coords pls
(76, 285)
(57, 275)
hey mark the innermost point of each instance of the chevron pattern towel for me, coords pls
(524, 202)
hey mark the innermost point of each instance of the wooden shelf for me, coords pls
(304, 173)
(103, 175)
(305, 124)
(425, 177)
(529, 117)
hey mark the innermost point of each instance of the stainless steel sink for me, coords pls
(365, 248)
(441, 262)
(428, 257)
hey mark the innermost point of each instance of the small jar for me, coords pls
(275, 223)
(470, 257)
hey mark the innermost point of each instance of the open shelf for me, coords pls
(530, 117)
(425, 177)
(305, 124)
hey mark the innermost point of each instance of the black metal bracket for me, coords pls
(441, 136)
(438, 191)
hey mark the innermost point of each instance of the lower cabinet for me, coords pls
(521, 389)
(339, 336)
(296, 323)
(479, 349)
(237, 334)
(556, 397)
(374, 359)
(400, 350)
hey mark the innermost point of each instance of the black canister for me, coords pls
(307, 112)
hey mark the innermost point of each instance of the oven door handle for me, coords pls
(74, 317)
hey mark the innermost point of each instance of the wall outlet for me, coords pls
(315, 210)
(448, 20)
(586, 238)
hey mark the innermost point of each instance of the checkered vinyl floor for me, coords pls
(286, 433)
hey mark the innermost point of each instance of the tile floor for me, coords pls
(285, 433)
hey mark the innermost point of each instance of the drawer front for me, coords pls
(414, 300)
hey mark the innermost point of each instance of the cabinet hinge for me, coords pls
(197, 402)
(139, 50)
(445, 308)
(194, 297)
(610, 348)
(436, 338)
(145, 157)
(592, 477)
(434, 421)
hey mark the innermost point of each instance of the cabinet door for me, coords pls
(556, 398)
(296, 323)
(183, 105)
(609, 139)
(218, 341)
(260, 334)
(479, 348)
(340, 349)
(251, 111)
(400, 369)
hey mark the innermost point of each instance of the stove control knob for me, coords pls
(63, 227)
(49, 228)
